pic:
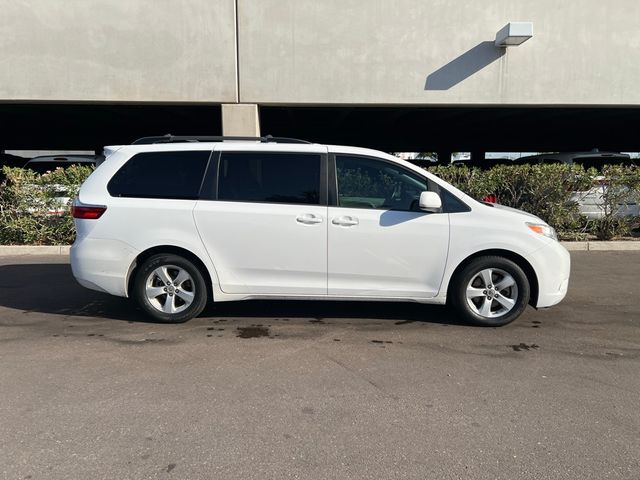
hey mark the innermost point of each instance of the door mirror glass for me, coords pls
(430, 202)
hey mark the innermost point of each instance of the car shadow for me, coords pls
(51, 288)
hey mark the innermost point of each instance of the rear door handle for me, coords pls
(345, 221)
(308, 219)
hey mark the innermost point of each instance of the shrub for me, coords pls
(30, 209)
(620, 184)
(472, 181)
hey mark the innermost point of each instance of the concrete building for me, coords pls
(403, 75)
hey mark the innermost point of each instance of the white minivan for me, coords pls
(176, 222)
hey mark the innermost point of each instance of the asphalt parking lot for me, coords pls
(318, 390)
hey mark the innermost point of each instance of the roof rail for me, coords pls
(168, 138)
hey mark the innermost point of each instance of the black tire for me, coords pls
(194, 289)
(471, 273)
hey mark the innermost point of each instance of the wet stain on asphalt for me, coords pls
(170, 467)
(404, 322)
(254, 331)
(524, 347)
(317, 320)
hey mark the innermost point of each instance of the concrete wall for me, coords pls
(117, 50)
(435, 52)
(417, 52)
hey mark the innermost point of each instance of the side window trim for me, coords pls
(332, 181)
(447, 208)
(211, 192)
(209, 186)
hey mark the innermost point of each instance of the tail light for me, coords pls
(87, 212)
(490, 199)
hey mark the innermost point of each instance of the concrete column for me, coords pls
(477, 158)
(444, 157)
(240, 120)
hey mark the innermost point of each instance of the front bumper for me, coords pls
(552, 264)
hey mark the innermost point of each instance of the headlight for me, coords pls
(543, 229)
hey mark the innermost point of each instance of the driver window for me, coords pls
(368, 183)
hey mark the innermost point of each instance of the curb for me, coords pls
(21, 250)
(28, 250)
(602, 246)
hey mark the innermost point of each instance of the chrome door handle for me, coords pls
(308, 219)
(345, 221)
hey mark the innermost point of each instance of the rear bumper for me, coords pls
(552, 265)
(102, 265)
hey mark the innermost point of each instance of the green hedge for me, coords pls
(546, 190)
(27, 199)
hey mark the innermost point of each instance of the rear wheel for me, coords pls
(490, 291)
(170, 288)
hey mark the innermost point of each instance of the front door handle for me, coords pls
(345, 221)
(308, 219)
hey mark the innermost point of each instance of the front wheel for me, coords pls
(490, 291)
(170, 288)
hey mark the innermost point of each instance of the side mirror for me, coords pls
(430, 202)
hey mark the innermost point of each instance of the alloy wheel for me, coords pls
(170, 289)
(492, 293)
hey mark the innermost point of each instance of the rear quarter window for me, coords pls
(174, 175)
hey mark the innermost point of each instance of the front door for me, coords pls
(380, 243)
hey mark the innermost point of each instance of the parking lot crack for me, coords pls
(356, 373)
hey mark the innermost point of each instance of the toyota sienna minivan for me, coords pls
(177, 222)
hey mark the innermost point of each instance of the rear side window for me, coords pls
(269, 177)
(176, 175)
